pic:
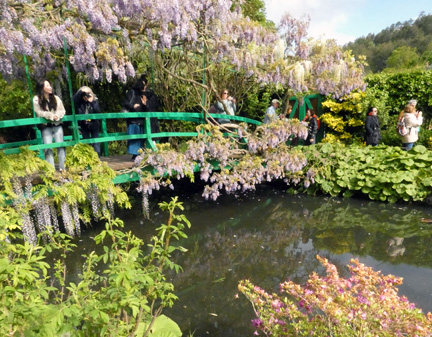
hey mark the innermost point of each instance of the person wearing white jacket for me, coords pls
(412, 121)
(50, 107)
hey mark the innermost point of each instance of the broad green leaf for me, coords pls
(162, 327)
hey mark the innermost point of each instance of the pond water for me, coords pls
(269, 236)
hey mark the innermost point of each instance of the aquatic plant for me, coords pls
(382, 173)
(365, 304)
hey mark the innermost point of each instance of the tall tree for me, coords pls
(403, 58)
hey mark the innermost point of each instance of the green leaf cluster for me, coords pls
(125, 299)
(402, 87)
(25, 179)
(382, 173)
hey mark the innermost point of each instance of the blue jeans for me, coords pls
(133, 145)
(48, 134)
(407, 146)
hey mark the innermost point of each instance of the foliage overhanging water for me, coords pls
(268, 237)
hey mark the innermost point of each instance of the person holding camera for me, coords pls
(227, 106)
(86, 103)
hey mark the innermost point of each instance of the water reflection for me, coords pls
(269, 236)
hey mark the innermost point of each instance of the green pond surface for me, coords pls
(269, 236)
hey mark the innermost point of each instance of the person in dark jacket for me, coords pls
(135, 101)
(86, 103)
(311, 119)
(153, 105)
(373, 134)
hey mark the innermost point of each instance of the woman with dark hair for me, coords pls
(312, 121)
(373, 135)
(86, 102)
(50, 107)
(135, 101)
(153, 105)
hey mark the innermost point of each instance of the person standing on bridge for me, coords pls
(86, 103)
(227, 106)
(153, 105)
(312, 123)
(135, 101)
(270, 114)
(50, 107)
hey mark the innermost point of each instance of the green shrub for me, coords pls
(382, 173)
(125, 299)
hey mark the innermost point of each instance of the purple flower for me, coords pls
(257, 323)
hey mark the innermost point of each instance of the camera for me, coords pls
(86, 95)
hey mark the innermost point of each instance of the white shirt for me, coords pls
(270, 114)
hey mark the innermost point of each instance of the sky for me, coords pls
(346, 20)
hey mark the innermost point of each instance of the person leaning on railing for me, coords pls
(226, 107)
(50, 107)
(86, 103)
(135, 101)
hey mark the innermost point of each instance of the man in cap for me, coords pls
(270, 114)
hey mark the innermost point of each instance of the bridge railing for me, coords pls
(104, 138)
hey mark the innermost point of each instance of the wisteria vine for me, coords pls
(77, 195)
(102, 35)
(265, 158)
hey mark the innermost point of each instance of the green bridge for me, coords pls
(36, 144)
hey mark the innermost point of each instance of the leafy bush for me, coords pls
(402, 87)
(365, 304)
(84, 191)
(344, 118)
(382, 173)
(126, 299)
(16, 103)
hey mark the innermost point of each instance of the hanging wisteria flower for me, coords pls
(100, 41)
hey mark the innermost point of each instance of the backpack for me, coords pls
(401, 127)
(318, 122)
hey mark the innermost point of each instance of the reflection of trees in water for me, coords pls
(218, 260)
(269, 241)
(370, 228)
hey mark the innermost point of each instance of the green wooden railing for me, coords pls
(105, 137)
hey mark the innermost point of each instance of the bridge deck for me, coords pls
(120, 162)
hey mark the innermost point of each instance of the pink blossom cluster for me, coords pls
(365, 304)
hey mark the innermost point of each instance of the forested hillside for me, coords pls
(402, 45)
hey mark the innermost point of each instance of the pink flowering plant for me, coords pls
(365, 304)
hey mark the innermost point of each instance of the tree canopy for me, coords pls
(103, 37)
(379, 47)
